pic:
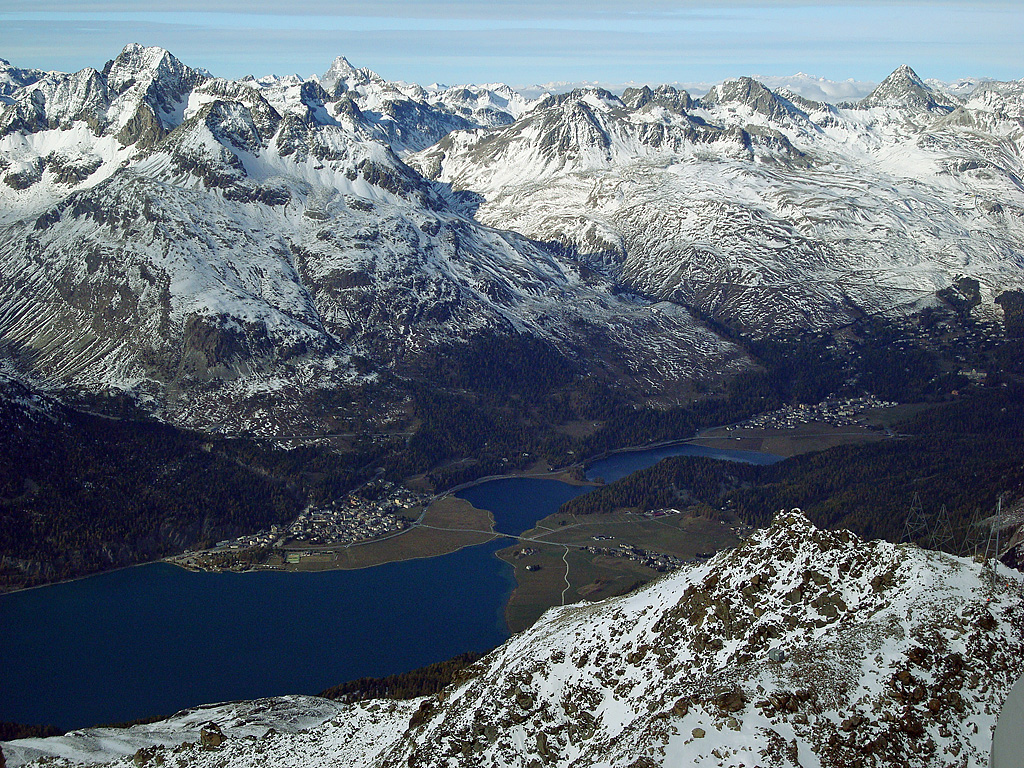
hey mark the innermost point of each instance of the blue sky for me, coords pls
(530, 41)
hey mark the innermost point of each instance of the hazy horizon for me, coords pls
(531, 43)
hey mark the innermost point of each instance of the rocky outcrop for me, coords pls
(211, 736)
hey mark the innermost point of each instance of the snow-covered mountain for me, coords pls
(13, 78)
(808, 86)
(762, 208)
(893, 655)
(196, 241)
(199, 242)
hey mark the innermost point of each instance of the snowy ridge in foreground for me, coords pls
(895, 656)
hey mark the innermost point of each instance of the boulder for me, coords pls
(732, 700)
(211, 736)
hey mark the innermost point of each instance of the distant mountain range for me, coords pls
(194, 243)
(808, 86)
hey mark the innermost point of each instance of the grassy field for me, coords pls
(559, 540)
(810, 437)
(449, 524)
(786, 442)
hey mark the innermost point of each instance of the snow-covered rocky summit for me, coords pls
(762, 208)
(893, 656)
(904, 89)
(410, 117)
(196, 242)
(14, 78)
(138, 97)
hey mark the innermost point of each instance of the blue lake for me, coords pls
(519, 502)
(155, 639)
(618, 465)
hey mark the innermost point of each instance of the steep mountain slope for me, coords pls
(903, 89)
(200, 244)
(197, 242)
(408, 117)
(894, 656)
(14, 78)
(764, 209)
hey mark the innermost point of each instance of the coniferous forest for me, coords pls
(961, 455)
(82, 493)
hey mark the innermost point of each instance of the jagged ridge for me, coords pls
(763, 209)
(172, 232)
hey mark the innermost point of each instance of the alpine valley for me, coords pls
(318, 282)
(229, 256)
(228, 304)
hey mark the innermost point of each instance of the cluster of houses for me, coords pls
(355, 518)
(657, 561)
(348, 520)
(329, 525)
(837, 412)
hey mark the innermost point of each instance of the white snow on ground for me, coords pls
(248, 719)
(880, 207)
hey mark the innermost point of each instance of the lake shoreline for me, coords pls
(561, 474)
(748, 438)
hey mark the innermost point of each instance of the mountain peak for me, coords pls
(905, 71)
(340, 67)
(12, 78)
(752, 93)
(905, 89)
(137, 64)
(342, 75)
(154, 76)
(135, 58)
(663, 95)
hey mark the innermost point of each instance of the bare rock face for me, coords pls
(211, 736)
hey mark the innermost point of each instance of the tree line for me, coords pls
(406, 685)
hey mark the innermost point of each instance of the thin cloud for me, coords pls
(521, 42)
(507, 9)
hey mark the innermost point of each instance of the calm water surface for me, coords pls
(619, 465)
(519, 502)
(155, 639)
